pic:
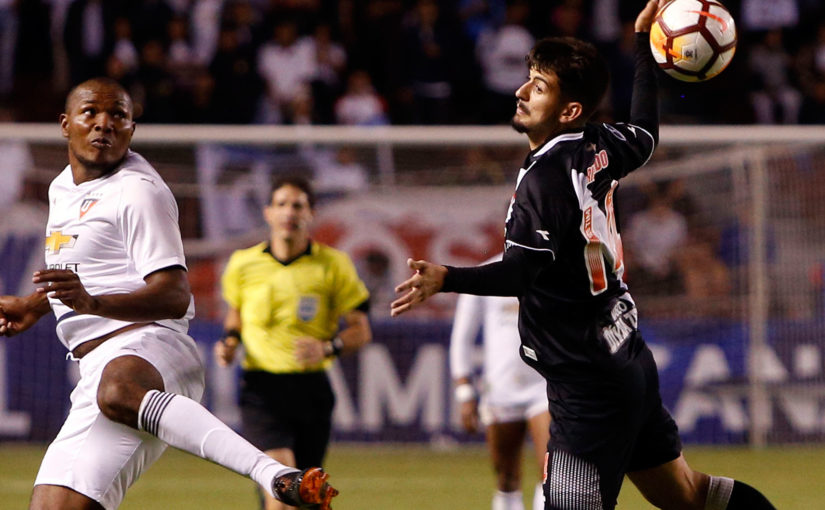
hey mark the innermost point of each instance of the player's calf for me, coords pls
(305, 489)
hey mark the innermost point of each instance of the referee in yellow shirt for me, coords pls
(286, 299)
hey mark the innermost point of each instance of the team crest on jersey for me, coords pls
(56, 241)
(307, 308)
(86, 205)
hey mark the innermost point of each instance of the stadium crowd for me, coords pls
(379, 61)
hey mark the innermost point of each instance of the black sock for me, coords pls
(745, 497)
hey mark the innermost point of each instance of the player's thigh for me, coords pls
(672, 485)
(539, 428)
(56, 497)
(97, 457)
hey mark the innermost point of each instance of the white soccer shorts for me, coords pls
(98, 457)
(531, 401)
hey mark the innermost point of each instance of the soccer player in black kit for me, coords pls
(578, 323)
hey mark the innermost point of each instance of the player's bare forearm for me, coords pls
(427, 280)
(166, 295)
(17, 314)
(357, 332)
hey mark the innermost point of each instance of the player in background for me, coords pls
(116, 281)
(285, 299)
(577, 320)
(512, 400)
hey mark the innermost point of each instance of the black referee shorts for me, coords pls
(288, 411)
(602, 428)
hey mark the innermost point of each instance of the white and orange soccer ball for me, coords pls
(693, 40)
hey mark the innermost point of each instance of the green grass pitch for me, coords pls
(417, 478)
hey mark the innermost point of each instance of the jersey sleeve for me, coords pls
(541, 211)
(149, 224)
(469, 314)
(349, 291)
(231, 282)
(626, 146)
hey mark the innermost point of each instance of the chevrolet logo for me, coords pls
(56, 240)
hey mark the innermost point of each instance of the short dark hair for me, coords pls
(298, 181)
(99, 81)
(582, 72)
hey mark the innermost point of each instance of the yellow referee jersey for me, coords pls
(279, 303)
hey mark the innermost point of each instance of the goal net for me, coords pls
(722, 233)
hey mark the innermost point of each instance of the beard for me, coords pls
(518, 126)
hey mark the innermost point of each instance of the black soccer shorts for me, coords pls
(288, 411)
(603, 427)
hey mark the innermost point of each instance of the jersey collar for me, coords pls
(564, 137)
(308, 251)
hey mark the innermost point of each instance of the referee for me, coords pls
(577, 321)
(286, 298)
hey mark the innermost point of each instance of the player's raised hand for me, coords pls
(66, 286)
(427, 280)
(648, 14)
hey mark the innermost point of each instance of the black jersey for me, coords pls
(563, 253)
(563, 208)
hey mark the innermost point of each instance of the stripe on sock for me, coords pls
(719, 491)
(151, 410)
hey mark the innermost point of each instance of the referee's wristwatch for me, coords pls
(333, 348)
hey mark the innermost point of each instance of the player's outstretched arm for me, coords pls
(17, 314)
(427, 280)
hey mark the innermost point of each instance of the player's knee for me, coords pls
(119, 401)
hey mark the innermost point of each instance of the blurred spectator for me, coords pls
(180, 51)
(8, 43)
(500, 51)
(237, 87)
(360, 105)
(703, 274)
(479, 15)
(337, 172)
(769, 14)
(810, 68)
(330, 63)
(287, 66)
(653, 239)
(88, 37)
(427, 62)
(773, 90)
(34, 95)
(567, 19)
(155, 85)
(124, 50)
(374, 269)
(149, 20)
(205, 26)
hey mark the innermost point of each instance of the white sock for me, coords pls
(538, 497)
(508, 501)
(719, 491)
(185, 424)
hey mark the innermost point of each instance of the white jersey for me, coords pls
(113, 232)
(507, 380)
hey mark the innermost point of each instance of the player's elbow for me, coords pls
(179, 305)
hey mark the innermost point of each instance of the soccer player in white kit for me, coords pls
(512, 398)
(116, 281)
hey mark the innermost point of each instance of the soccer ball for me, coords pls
(693, 40)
